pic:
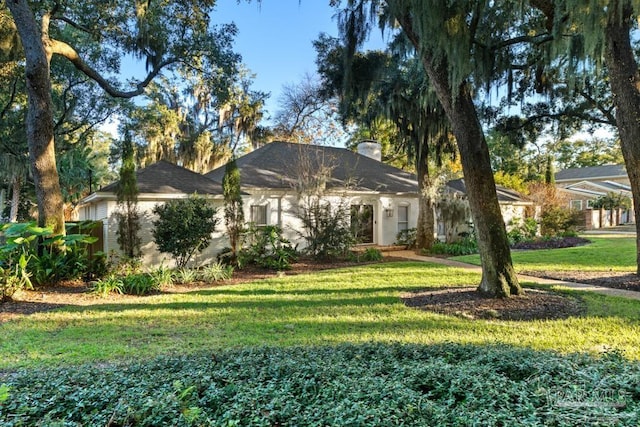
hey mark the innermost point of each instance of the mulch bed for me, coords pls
(607, 279)
(466, 302)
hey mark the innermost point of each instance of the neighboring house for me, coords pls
(274, 181)
(512, 205)
(582, 186)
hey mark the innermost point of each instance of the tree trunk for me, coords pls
(39, 118)
(426, 205)
(16, 186)
(625, 86)
(498, 276)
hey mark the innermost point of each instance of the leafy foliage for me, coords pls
(215, 271)
(558, 221)
(407, 238)
(266, 247)
(140, 284)
(369, 384)
(326, 229)
(522, 230)
(163, 275)
(110, 284)
(368, 255)
(33, 253)
(184, 227)
(465, 246)
(131, 284)
(185, 275)
(233, 211)
(128, 214)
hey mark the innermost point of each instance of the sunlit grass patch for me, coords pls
(352, 305)
(608, 253)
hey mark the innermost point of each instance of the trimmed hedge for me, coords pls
(354, 385)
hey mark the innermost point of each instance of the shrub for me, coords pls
(108, 285)
(466, 246)
(407, 238)
(184, 227)
(326, 230)
(558, 221)
(215, 271)
(522, 230)
(233, 212)
(266, 247)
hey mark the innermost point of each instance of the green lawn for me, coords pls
(353, 305)
(610, 253)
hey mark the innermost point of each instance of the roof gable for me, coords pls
(592, 172)
(279, 165)
(505, 195)
(166, 178)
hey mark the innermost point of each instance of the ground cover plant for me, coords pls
(345, 385)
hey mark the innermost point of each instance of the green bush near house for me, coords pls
(266, 247)
(407, 238)
(466, 246)
(184, 227)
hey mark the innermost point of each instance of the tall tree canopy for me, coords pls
(379, 87)
(465, 46)
(95, 37)
(595, 37)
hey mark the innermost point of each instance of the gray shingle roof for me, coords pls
(167, 178)
(278, 165)
(505, 195)
(593, 172)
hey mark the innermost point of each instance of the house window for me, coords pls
(589, 204)
(259, 214)
(403, 218)
(576, 205)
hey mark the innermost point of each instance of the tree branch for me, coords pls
(70, 53)
(73, 24)
(12, 97)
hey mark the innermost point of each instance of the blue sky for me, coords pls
(275, 39)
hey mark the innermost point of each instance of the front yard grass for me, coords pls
(352, 305)
(605, 253)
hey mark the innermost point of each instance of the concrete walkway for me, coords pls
(410, 255)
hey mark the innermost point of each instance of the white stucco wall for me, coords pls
(281, 209)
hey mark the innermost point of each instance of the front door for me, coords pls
(362, 223)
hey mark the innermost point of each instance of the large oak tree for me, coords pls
(465, 46)
(95, 37)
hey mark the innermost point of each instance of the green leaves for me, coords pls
(346, 385)
(184, 227)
